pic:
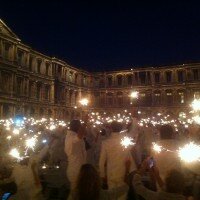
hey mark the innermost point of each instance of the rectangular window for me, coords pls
(195, 74)
(39, 62)
(157, 77)
(180, 76)
(168, 77)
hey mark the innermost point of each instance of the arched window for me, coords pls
(109, 81)
(119, 98)
(157, 97)
(109, 99)
(169, 97)
(119, 80)
(129, 79)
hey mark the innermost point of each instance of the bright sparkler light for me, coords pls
(16, 131)
(157, 148)
(84, 102)
(15, 153)
(134, 94)
(196, 119)
(127, 141)
(52, 127)
(190, 152)
(196, 105)
(30, 143)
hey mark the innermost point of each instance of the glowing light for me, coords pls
(126, 142)
(134, 94)
(196, 105)
(8, 137)
(52, 127)
(30, 143)
(190, 153)
(84, 102)
(15, 153)
(16, 131)
(156, 147)
(196, 119)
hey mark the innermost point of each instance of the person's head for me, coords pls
(88, 184)
(174, 182)
(103, 132)
(116, 126)
(166, 132)
(75, 125)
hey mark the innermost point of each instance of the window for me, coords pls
(157, 98)
(47, 92)
(129, 79)
(39, 62)
(169, 98)
(38, 91)
(181, 97)
(180, 76)
(76, 78)
(119, 98)
(195, 74)
(30, 63)
(47, 68)
(142, 94)
(142, 76)
(20, 55)
(110, 81)
(197, 95)
(168, 77)
(7, 47)
(157, 77)
(110, 99)
(119, 80)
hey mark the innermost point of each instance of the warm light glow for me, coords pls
(16, 131)
(157, 148)
(84, 102)
(134, 94)
(15, 153)
(190, 152)
(30, 143)
(196, 119)
(127, 141)
(196, 105)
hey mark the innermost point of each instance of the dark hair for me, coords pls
(166, 132)
(116, 126)
(75, 125)
(174, 182)
(88, 184)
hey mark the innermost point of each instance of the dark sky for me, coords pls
(107, 35)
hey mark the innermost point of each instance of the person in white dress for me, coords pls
(75, 151)
(113, 157)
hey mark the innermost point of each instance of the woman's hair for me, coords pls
(174, 182)
(88, 185)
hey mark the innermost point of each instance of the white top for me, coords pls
(115, 156)
(76, 156)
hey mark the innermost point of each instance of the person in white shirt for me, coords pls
(75, 151)
(167, 159)
(112, 159)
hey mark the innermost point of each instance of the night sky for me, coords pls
(97, 35)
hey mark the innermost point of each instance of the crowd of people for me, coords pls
(88, 162)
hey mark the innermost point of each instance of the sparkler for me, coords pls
(84, 102)
(190, 153)
(15, 153)
(157, 148)
(30, 143)
(196, 105)
(127, 141)
(134, 94)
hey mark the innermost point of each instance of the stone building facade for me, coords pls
(33, 84)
